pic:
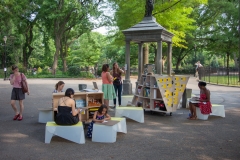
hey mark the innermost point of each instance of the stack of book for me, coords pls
(146, 92)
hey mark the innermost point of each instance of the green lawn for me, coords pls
(224, 80)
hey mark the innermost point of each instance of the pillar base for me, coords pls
(127, 87)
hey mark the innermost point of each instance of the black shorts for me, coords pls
(17, 94)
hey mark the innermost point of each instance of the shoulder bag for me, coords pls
(24, 85)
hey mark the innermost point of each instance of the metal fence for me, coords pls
(220, 75)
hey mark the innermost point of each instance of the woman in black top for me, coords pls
(117, 82)
(67, 114)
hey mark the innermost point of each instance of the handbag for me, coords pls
(24, 85)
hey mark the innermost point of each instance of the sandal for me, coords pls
(20, 118)
(193, 118)
(16, 116)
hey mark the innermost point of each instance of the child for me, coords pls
(59, 87)
(99, 117)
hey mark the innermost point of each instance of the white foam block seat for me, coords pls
(45, 115)
(74, 133)
(104, 133)
(200, 115)
(134, 113)
(217, 110)
(121, 126)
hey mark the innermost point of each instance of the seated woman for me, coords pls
(99, 116)
(59, 87)
(67, 114)
(204, 102)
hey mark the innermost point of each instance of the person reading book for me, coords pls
(67, 114)
(204, 102)
(99, 116)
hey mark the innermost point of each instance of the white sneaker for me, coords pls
(110, 109)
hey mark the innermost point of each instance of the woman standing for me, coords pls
(17, 94)
(117, 83)
(107, 86)
(59, 87)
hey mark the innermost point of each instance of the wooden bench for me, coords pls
(217, 110)
(45, 115)
(74, 133)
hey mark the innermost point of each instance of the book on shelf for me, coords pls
(80, 103)
(159, 105)
(146, 104)
(94, 102)
(146, 92)
(139, 89)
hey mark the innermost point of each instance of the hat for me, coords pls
(14, 67)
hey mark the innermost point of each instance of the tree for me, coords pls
(63, 15)
(87, 50)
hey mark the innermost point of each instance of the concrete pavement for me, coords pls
(160, 137)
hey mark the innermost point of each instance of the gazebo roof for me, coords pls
(148, 30)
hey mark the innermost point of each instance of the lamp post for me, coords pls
(5, 58)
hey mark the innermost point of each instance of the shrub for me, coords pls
(74, 71)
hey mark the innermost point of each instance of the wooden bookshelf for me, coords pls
(90, 100)
(159, 93)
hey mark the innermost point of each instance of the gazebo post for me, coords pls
(127, 85)
(148, 30)
(169, 59)
(159, 58)
(140, 60)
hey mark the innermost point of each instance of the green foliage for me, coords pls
(87, 50)
(74, 71)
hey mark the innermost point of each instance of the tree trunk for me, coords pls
(27, 48)
(58, 47)
(228, 63)
(236, 62)
(95, 70)
(63, 56)
(178, 64)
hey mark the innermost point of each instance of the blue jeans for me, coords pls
(118, 90)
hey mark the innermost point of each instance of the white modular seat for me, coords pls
(74, 133)
(200, 115)
(104, 133)
(45, 115)
(217, 110)
(134, 113)
(121, 126)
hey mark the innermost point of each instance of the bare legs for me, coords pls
(106, 102)
(13, 104)
(192, 108)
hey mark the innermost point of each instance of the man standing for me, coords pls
(199, 70)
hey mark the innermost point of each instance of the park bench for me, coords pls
(74, 133)
(134, 113)
(217, 110)
(45, 115)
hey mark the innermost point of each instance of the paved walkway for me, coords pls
(160, 137)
